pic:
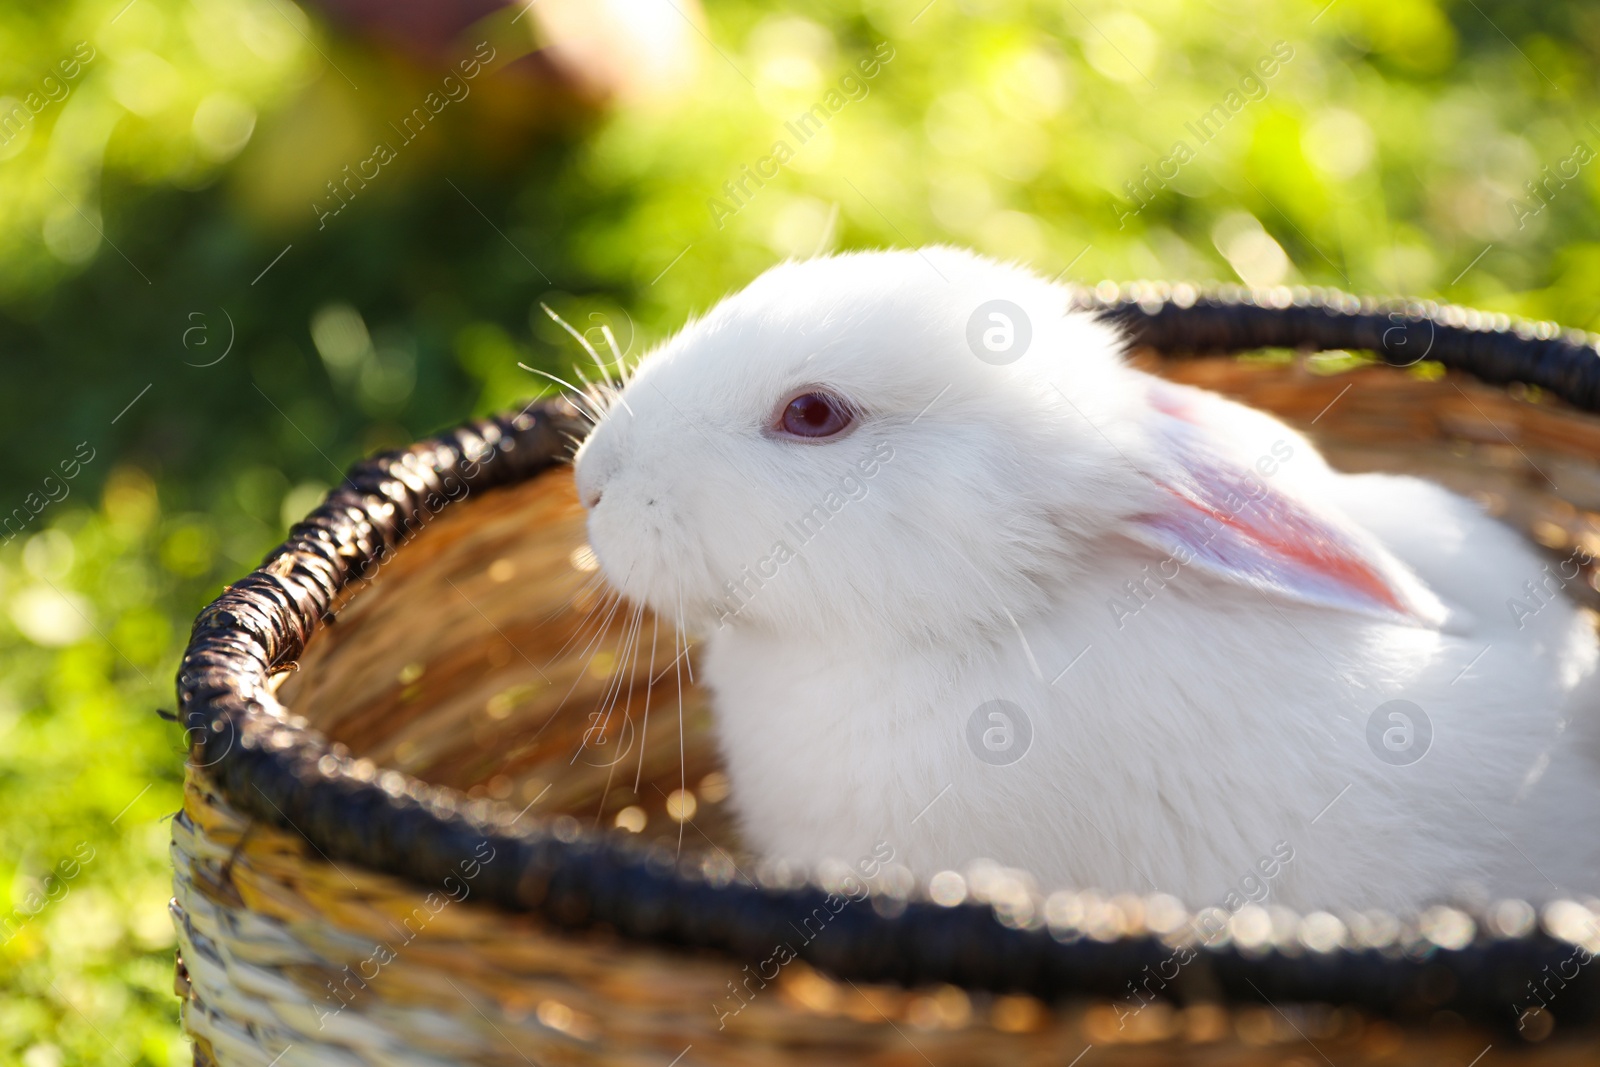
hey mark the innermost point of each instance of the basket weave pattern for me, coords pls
(388, 858)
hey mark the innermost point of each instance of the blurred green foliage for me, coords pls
(157, 210)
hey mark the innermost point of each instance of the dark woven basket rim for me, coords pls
(283, 773)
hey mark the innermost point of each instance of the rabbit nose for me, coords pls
(590, 488)
(595, 465)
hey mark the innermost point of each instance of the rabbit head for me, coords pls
(910, 444)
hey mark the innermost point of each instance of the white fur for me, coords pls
(1194, 735)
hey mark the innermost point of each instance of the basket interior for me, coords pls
(488, 655)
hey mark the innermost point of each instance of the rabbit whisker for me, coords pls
(683, 766)
(583, 341)
(630, 638)
(594, 416)
(644, 725)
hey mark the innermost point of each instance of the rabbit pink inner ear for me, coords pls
(1275, 547)
(1218, 515)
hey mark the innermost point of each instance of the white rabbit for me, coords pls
(888, 503)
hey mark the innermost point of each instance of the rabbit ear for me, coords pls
(1229, 509)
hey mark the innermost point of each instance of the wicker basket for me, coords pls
(389, 852)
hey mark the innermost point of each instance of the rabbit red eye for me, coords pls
(815, 415)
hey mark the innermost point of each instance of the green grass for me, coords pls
(95, 608)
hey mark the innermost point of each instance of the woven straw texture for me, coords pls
(406, 840)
